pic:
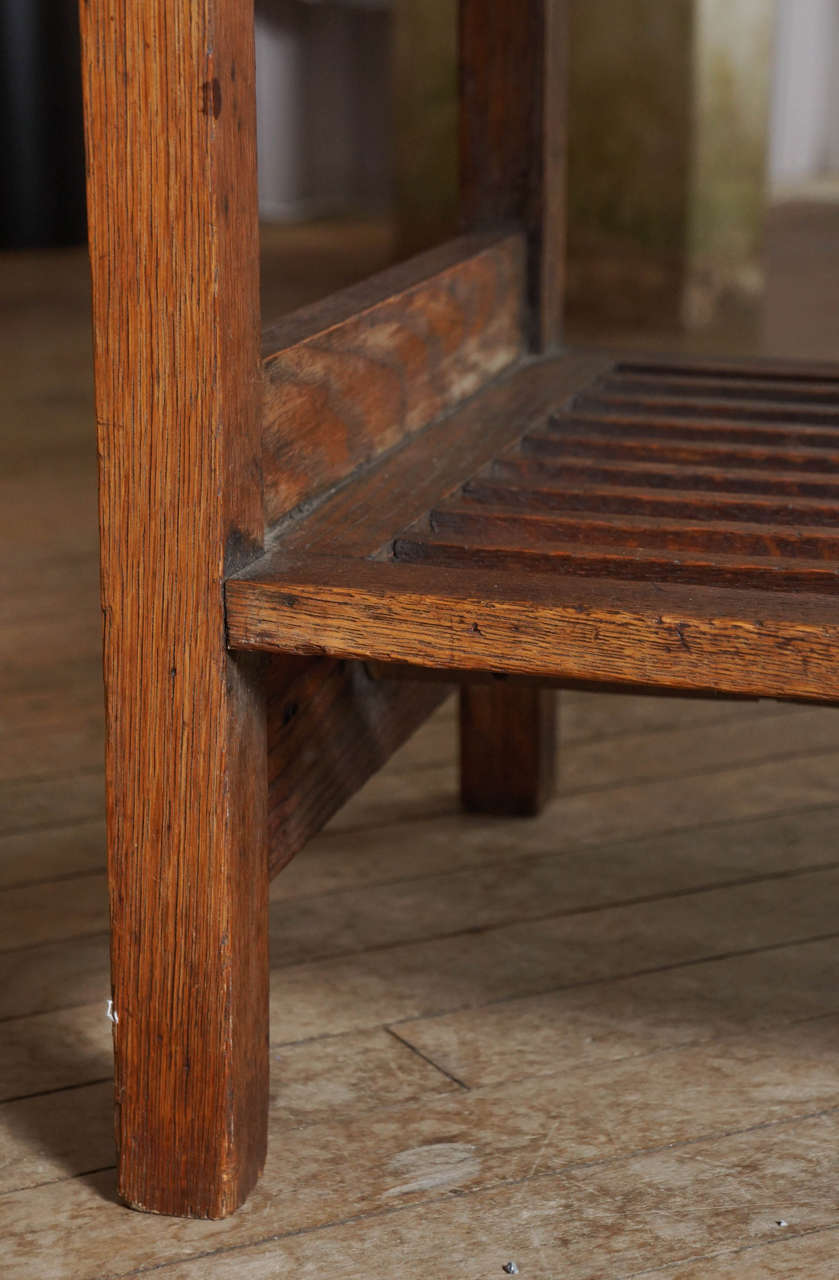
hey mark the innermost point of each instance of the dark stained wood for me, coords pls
(519, 556)
(401, 671)
(359, 518)
(738, 426)
(803, 391)
(349, 378)
(580, 531)
(775, 368)
(676, 449)
(657, 476)
(515, 484)
(529, 535)
(173, 230)
(758, 643)
(507, 751)
(513, 138)
(774, 405)
(330, 726)
(513, 142)
(726, 537)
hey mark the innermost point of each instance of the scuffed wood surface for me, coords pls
(633, 532)
(715, 1143)
(349, 378)
(582, 629)
(362, 517)
(170, 125)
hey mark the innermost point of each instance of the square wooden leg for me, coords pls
(507, 748)
(189, 908)
(172, 214)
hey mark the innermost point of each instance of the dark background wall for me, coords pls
(41, 140)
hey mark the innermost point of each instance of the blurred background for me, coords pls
(704, 143)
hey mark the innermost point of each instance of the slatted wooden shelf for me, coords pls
(322, 503)
(586, 518)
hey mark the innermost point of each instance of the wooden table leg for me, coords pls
(170, 127)
(507, 748)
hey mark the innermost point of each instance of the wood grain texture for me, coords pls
(604, 514)
(517, 482)
(173, 231)
(513, 138)
(349, 378)
(587, 471)
(507, 749)
(362, 517)
(531, 549)
(330, 726)
(513, 142)
(789, 371)
(598, 630)
(526, 566)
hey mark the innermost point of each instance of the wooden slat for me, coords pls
(493, 552)
(653, 634)
(717, 426)
(543, 495)
(662, 475)
(781, 409)
(728, 538)
(684, 506)
(774, 367)
(349, 378)
(513, 129)
(331, 725)
(746, 387)
(672, 449)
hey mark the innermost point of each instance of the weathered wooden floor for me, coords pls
(603, 1043)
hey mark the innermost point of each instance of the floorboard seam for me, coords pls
(61, 1088)
(436, 1065)
(511, 922)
